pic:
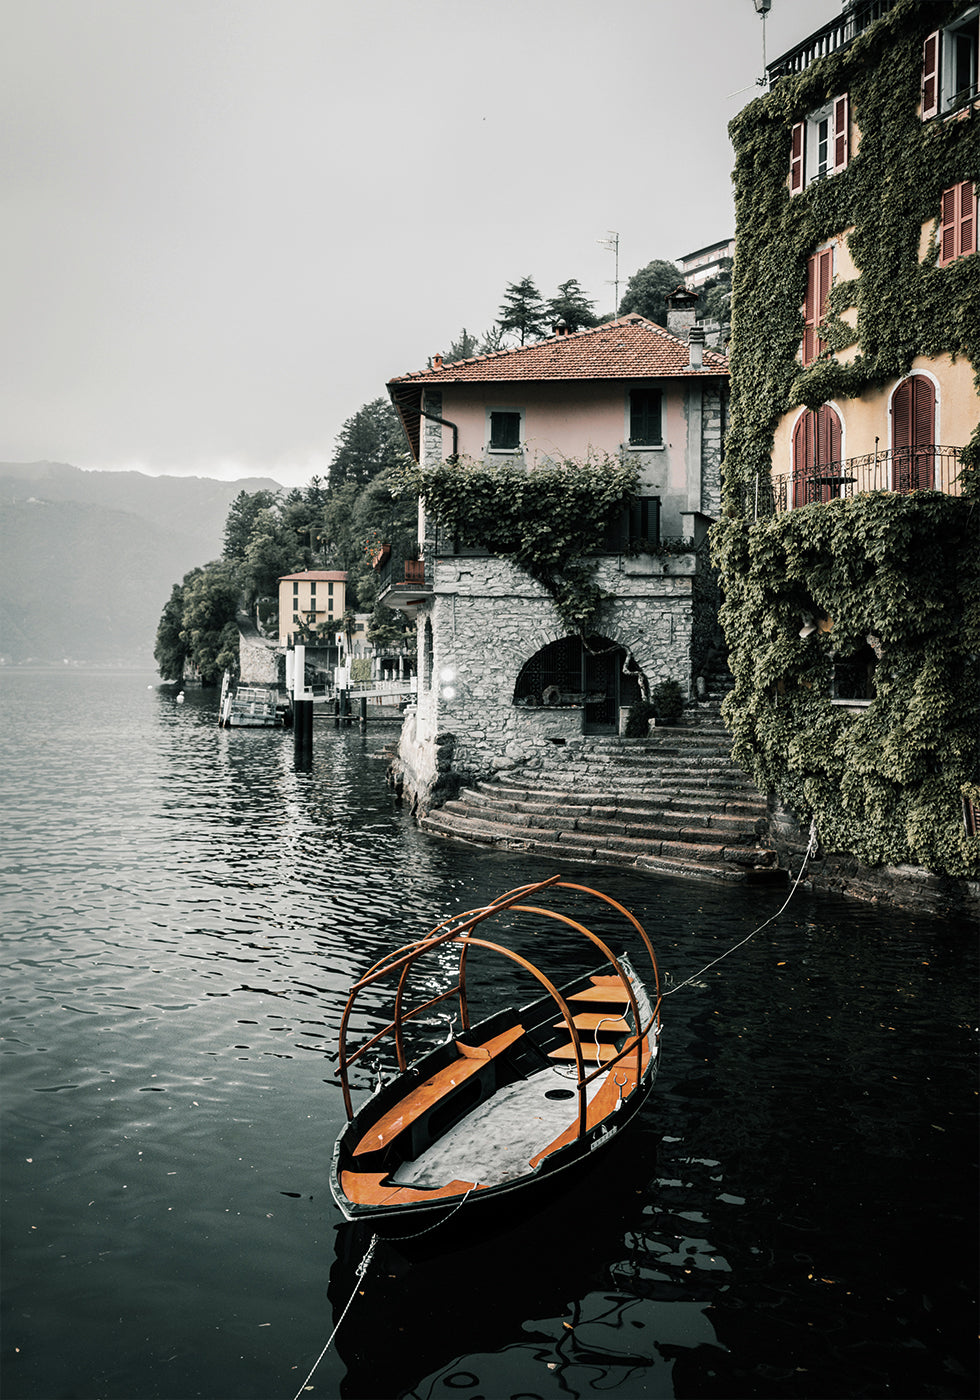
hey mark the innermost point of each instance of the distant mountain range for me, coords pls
(88, 558)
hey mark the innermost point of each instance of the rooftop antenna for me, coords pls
(762, 8)
(611, 244)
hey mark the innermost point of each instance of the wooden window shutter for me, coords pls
(947, 227)
(957, 222)
(816, 445)
(902, 416)
(796, 158)
(819, 278)
(913, 428)
(842, 119)
(930, 76)
(966, 233)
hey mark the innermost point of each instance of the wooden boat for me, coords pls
(516, 1100)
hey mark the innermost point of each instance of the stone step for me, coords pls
(667, 858)
(621, 780)
(599, 807)
(608, 822)
(696, 803)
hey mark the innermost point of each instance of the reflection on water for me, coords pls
(792, 1214)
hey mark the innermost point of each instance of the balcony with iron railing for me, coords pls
(402, 583)
(828, 38)
(904, 469)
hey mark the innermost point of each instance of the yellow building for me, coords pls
(311, 605)
(849, 546)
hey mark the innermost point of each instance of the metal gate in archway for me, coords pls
(592, 672)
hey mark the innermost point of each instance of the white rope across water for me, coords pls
(362, 1269)
(810, 851)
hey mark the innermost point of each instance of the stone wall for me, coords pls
(903, 886)
(487, 619)
(259, 660)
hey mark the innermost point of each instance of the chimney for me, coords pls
(560, 327)
(437, 362)
(695, 343)
(680, 311)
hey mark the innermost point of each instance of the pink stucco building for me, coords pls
(492, 654)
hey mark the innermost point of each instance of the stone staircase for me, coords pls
(673, 803)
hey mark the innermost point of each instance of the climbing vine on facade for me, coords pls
(885, 782)
(546, 521)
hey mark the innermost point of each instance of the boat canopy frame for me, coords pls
(460, 929)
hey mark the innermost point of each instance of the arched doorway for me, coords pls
(914, 434)
(593, 672)
(816, 455)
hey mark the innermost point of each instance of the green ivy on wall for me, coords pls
(544, 521)
(884, 784)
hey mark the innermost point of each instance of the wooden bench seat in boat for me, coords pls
(619, 1083)
(408, 1110)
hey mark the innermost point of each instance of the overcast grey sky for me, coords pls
(226, 223)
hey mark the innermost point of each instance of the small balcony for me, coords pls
(926, 468)
(402, 583)
(829, 38)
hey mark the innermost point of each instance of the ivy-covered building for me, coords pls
(566, 492)
(850, 543)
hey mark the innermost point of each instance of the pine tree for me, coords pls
(523, 311)
(570, 304)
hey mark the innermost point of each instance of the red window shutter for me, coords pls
(947, 227)
(913, 429)
(930, 76)
(841, 133)
(957, 222)
(902, 416)
(809, 319)
(804, 460)
(796, 158)
(966, 233)
(816, 446)
(819, 278)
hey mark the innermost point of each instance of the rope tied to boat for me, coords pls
(361, 1273)
(362, 1269)
(811, 851)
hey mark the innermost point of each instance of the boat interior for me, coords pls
(490, 1105)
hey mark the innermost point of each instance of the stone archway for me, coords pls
(595, 673)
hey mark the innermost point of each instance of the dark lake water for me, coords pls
(793, 1214)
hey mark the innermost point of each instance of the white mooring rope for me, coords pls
(810, 851)
(362, 1269)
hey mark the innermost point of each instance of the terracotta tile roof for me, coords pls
(628, 348)
(315, 575)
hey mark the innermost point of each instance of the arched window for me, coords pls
(914, 434)
(816, 456)
(595, 674)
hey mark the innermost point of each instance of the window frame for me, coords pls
(648, 443)
(805, 136)
(957, 233)
(941, 51)
(517, 413)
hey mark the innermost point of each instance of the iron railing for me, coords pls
(396, 570)
(828, 39)
(926, 468)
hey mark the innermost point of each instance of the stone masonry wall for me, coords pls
(487, 620)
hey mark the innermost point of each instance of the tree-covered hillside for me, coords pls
(328, 524)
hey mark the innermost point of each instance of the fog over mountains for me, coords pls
(88, 558)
